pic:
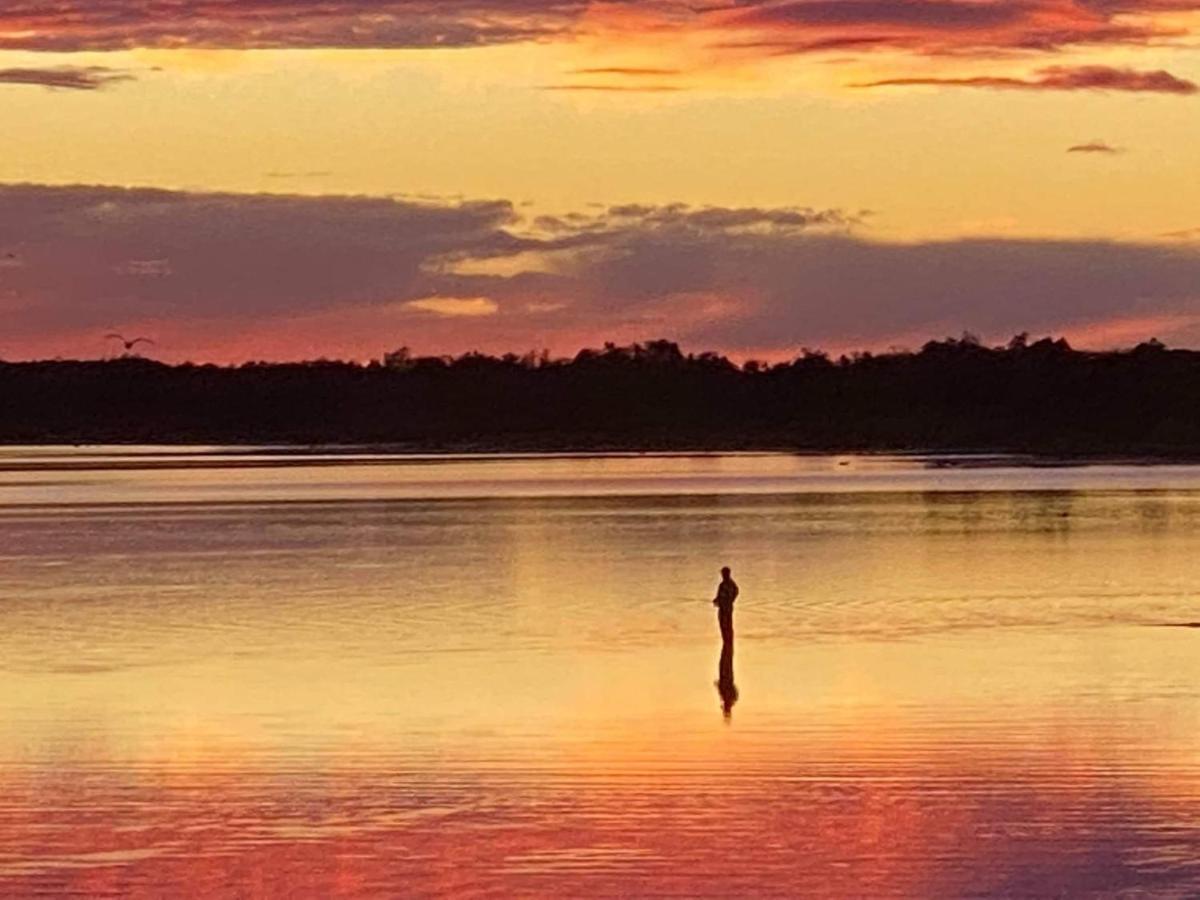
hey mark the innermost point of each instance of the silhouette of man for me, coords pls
(727, 592)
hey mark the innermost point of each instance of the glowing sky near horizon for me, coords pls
(503, 174)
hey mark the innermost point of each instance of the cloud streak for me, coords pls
(1060, 78)
(68, 78)
(1102, 147)
(629, 71)
(470, 307)
(609, 88)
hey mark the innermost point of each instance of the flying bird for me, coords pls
(129, 344)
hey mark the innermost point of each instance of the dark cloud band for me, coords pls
(122, 24)
(87, 260)
(927, 26)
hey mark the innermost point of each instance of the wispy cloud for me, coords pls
(1059, 78)
(622, 80)
(1101, 147)
(610, 88)
(631, 71)
(69, 78)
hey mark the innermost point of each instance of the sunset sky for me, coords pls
(277, 179)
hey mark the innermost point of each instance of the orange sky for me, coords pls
(1047, 147)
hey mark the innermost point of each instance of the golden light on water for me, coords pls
(479, 679)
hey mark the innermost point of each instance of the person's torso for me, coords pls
(727, 593)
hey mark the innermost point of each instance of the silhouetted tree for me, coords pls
(955, 393)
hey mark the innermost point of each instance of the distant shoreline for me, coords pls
(1042, 401)
(339, 454)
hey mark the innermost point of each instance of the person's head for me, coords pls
(725, 573)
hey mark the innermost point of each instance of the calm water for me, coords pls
(257, 674)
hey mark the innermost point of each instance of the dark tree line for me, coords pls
(955, 394)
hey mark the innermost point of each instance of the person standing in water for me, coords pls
(727, 593)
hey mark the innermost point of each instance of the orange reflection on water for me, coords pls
(836, 811)
(940, 692)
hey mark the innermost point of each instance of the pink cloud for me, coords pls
(800, 26)
(231, 277)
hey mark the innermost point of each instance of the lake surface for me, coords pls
(257, 673)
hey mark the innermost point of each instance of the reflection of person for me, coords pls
(727, 592)
(725, 686)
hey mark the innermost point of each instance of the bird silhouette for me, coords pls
(129, 344)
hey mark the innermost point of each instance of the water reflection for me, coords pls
(725, 684)
(216, 698)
